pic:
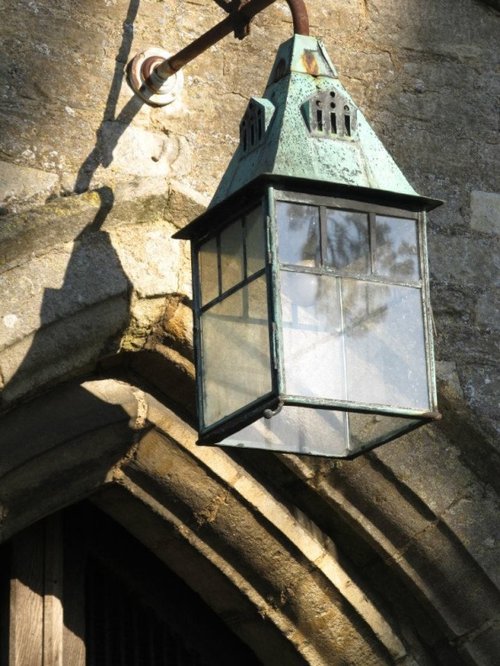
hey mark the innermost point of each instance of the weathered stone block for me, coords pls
(134, 151)
(152, 246)
(485, 212)
(21, 182)
(487, 315)
(63, 349)
(58, 284)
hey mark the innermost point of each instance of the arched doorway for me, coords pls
(78, 589)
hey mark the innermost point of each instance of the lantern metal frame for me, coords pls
(265, 191)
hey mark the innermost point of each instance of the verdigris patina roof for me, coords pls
(309, 128)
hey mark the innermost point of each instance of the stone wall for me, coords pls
(92, 185)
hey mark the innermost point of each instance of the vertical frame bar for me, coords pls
(323, 235)
(372, 241)
(274, 291)
(243, 234)
(245, 250)
(347, 425)
(198, 360)
(427, 309)
(219, 267)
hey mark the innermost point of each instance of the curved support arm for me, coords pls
(299, 16)
(155, 70)
(242, 16)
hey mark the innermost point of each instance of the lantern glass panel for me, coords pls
(312, 347)
(231, 255)
(353, 328)
(235, 351)
(298, 231)
(321, 432)
(234, 338)
(347, 241)
(255, 241)
(384, 344)
(369, 429)
(396, 248)
(209, 272)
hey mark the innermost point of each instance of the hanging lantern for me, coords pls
(311, 298)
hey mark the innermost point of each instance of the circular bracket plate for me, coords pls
(169, 89)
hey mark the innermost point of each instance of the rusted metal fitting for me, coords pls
(149, 75)
(240, 21)
(143, 77)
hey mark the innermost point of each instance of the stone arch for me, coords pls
(265, 555)
(248, 556)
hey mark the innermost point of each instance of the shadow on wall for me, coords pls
(76, 321)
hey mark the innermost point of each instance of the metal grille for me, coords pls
(123, 631)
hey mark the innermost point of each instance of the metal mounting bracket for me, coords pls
(147, 84)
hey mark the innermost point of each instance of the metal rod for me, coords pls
(237, 19)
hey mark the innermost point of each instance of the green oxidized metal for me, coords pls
(301, 70)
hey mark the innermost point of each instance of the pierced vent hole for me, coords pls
(319, 119)
(347, 120)
(333, 122)
(243, 135)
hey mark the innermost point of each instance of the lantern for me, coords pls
(310, 284)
